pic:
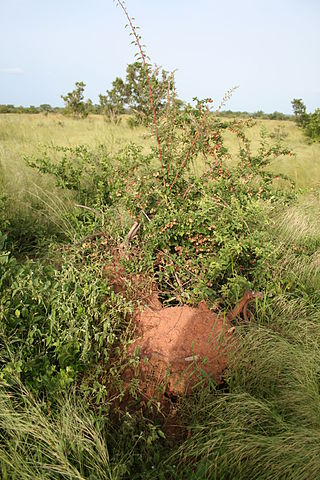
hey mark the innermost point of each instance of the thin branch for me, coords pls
(144, 213)
(183, 164)
(99, 214)
(133, 231)
(91, 236)
(133, 29)
(241, 305)
(178, 282)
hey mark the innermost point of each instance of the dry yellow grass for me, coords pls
(23, 134)
(304, 167)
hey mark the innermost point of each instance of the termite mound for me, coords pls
(176, 347)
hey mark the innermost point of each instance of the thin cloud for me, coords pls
(12, 71)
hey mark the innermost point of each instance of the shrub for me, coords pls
(57, 323)
(309, 122)
(300, 112)
(205, 236)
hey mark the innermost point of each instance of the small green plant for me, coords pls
(279, 133)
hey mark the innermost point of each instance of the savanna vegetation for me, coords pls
(223, 205)
(309, 122)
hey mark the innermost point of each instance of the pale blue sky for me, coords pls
(270, 48)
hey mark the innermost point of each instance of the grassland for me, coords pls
(304, 167)
(61, 325)
(23, 134)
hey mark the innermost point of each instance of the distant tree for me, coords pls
(45, 107)
(89, 106)
(309, 122)
(300, 112)
(96, 109)
(232, 114)
(138, 95)
(113, 103)
(259, 114)
(31, 109)
(278, 116)
(312, 128)
(7, 108)
(74, 102)
(133, 94)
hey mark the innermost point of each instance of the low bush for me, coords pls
(59, 321)
(204, 237)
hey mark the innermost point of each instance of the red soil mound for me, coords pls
(178, 345)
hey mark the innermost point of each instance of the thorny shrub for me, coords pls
(205, 235)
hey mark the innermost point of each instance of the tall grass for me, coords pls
(23, 134)
(33, 199)
(267, 426)
(68, 445)
(300, 223)
(304, 167)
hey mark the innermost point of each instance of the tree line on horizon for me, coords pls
(131, 95)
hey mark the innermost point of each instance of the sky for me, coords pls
(268, 48)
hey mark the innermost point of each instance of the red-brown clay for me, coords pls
(176, 346)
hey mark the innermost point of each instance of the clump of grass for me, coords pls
(267, 426)
(69, 444)
(245, 437)
(297, 231)
(300, 224)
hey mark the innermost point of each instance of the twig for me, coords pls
(179, 265)
(179, 282)
(91, 236)
(183, 163)
(90, 209)
(241, 305)
(144, 213)
(226, 97)
(187, 190)
(133, 231)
